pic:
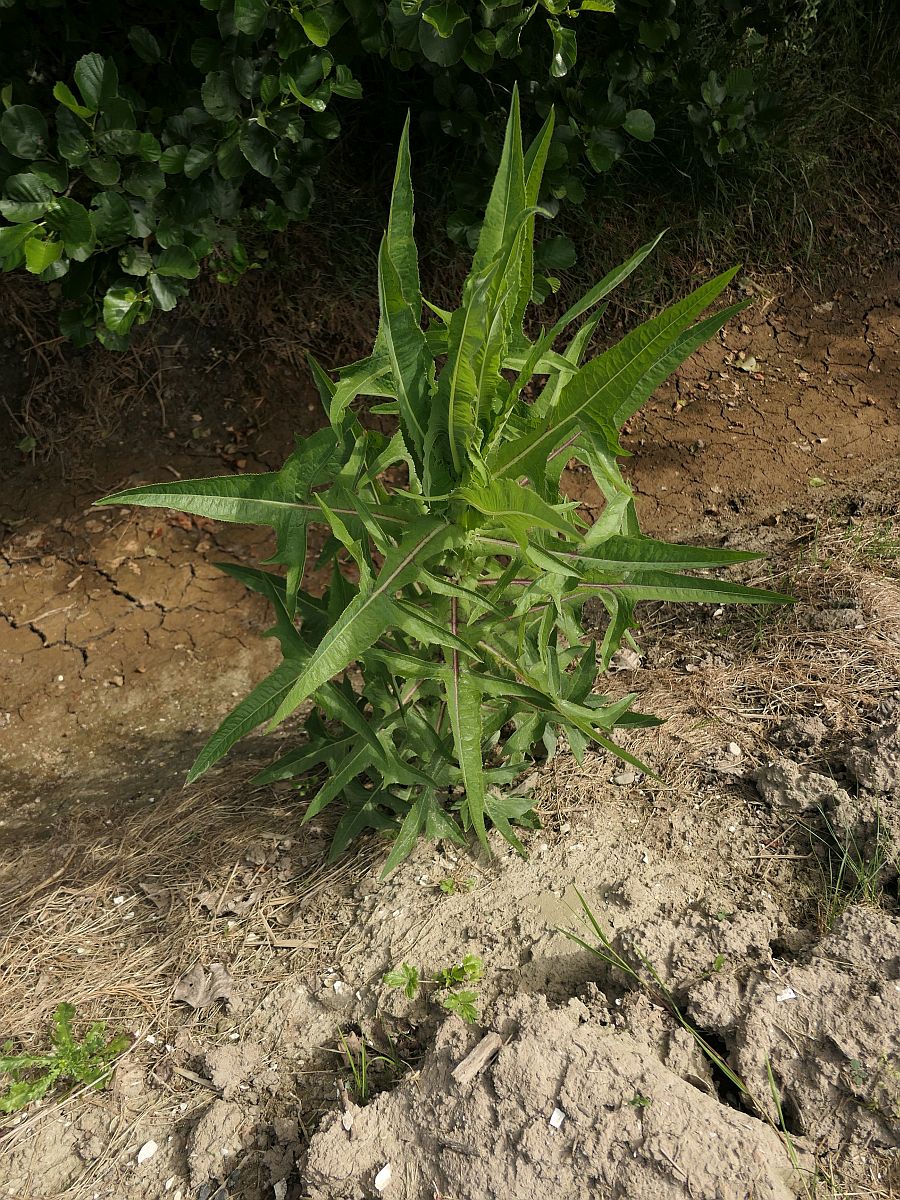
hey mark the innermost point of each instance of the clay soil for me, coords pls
(758, 878)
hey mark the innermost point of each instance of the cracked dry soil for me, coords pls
(121, 647)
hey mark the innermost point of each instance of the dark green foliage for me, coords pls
(136, 141)
(122, 171)
(69, 1060)
(457, 591)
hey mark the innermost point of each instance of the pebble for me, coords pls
(147, 1151)
(624, 778)
(383, 1178)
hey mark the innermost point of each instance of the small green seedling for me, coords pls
(470, 970)
(363, 1064)
(447, 984)
(405, 976)
(463, 1004)
(451, 886)
(857, 1073)
(639, 1101)
(86, 1062)
(717, 964)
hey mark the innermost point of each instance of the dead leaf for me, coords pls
(160, 896)
(233, 906)
(201, 985)
(625, 660)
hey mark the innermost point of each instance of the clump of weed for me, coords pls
(88, 1061)
(849, 872)
(447, 984)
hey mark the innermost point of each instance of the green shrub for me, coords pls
(456, 586)
(136, 141)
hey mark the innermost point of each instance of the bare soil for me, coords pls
(206, 925)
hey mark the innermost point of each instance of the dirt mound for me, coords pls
(570, 1107)
(864, 815)
(828, 1025)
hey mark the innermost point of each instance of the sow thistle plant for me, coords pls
(456, 594)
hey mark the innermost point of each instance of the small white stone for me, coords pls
(347, 1120)
(146, 1152)
(117, 900)
(339, 986)
(280, 1189)
(556, 1118)
(383, 1178)
(734, 750)
(170, 1183)
(787, 994)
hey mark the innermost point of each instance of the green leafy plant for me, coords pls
(448, 984)
(121, 172)
(76, 1062)
(135, 145)
(457, 580)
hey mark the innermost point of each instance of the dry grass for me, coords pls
(756, 668)
(199, 876)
